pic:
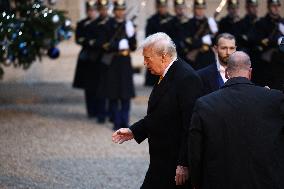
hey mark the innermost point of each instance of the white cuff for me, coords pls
(123, 44)
(130, 30)
(281, 28)
(212, 25)
(206, 39)
(280, 40)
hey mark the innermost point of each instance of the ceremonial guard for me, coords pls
(86, 74)
(178, 27)
(228, 23)
(266, 35)
(103, 26)
(245, 25)
(119, 80)
(200, 31)
(159, 22)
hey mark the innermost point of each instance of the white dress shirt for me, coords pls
(168, 67)
(221, 69)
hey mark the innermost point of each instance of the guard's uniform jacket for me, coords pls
(265, 36)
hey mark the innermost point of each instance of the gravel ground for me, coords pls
(47, 142)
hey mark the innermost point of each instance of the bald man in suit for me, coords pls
(236, 139)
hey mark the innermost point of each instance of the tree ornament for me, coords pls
(52, 2)
(53, 52)
(67, 23)
(55, 18)
(68, 35)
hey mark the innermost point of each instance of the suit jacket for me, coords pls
(210, 78)
(236, 139)
(166, 124)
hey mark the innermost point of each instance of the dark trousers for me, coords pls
(96, 107)
(119, 109)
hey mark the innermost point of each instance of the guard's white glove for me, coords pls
(212, 25)
(123, 44)
(281, 28)
(206, 39)
(92, 42)
(280, 39)
(130, 30)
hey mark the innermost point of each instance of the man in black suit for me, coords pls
(213, 76)
(168, 115)
(236, 139)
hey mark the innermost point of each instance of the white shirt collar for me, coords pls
(168, 67)
(221, 69)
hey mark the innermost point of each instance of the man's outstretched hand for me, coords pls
(122, 135)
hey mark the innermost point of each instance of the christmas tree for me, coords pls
(30, 29)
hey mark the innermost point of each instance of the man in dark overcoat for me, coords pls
(236, 138)
(168, 116)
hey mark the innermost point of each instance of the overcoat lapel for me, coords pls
(160, 89)
(213, 78)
